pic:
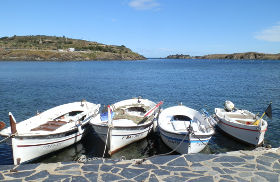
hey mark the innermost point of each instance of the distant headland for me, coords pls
(52, 48)
(238, 56)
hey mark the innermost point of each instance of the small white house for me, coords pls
(71, 49)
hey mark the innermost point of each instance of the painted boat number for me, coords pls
(173, 141)
(50, 146)
(131, 136)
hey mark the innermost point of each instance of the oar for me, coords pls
(151, 110)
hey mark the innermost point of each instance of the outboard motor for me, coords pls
(229, 106)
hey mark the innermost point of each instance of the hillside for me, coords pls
(238, 56)
(42, 47)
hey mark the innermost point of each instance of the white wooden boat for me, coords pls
(241, 124)
(185, 130)
(49, 131)
(125, 122)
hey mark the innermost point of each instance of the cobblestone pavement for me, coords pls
(260, 165)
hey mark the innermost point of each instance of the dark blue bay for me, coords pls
(26, 87)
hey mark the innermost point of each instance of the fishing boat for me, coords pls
(242, 124)
(185, 130)
(49, 131)
(125, 122)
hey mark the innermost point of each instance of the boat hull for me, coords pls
(49, 131)
(253, 135)
(184, 129)
(26, 149)
(240, 125)
(190, 144)
(119, 137)
(128, 121)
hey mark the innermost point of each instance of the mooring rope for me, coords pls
(171, 150)
(109, 128)
(176, 146)
(190, 132)
(6, 138)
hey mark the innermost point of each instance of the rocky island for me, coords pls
(237, 56)
(52, 48)
(179, 56)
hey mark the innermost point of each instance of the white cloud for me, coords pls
(144, 4)
(271, 34)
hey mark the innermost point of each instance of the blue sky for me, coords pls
(153, 28)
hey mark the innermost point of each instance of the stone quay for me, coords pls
(259, 165)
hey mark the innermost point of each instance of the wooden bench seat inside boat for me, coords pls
(49, 126)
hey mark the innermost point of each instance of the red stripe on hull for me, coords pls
(47, 143)
(243, 128)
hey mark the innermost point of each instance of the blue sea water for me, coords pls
(28, 87)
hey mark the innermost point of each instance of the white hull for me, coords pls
(121, 136)
(121, 130)
(175, 132)
(29, 149)
(248, 133)
(188, 146)
(49, 131)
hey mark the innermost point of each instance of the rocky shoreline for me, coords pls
(261, 164)
(235, 56)
(50, 55)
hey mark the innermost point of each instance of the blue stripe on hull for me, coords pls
(185, 141)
